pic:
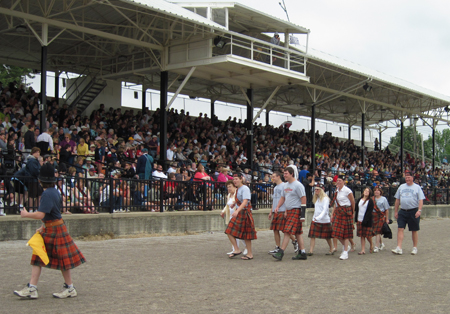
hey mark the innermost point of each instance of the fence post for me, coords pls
(204, 195)
(161, 195)
(111, 195)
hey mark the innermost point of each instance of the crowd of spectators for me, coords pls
(121, 143)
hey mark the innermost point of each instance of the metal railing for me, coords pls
(90, 195)
(262, 51)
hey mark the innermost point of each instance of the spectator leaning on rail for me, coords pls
(409, 197)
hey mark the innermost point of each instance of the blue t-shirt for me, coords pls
(50, 204)
(243, 193)
(409, 196)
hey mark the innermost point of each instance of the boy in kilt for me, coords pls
(62, 251)
(241, 225)
(278, 220)
(321, 223)
(293, 197)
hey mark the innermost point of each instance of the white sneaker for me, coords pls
(397, 251)
(245, 251)
(27, 292)
(382, 247)
(344, 255)
(414, 251)
(66, 293)
(376, 250)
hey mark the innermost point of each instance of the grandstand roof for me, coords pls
(128, 41)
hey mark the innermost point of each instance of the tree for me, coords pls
(10, 74)
(442, 145)
(408, 141)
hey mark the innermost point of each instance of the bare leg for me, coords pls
(363, 245)
(330, 244)
(369, 239)
(378, 240)
(312, 243)
(276, 235)
(67, 276)
(301, 245)
(415, 238)
(248, 243)
(285, 243)
(344, 242)
(400, 235)
(35, 274)
(335, 241)
(233, 243)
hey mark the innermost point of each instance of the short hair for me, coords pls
(379, 189)
(290, 170)
(35, 149)
(277, 173)
(229, 182)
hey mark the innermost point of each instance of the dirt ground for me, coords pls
(192, 274)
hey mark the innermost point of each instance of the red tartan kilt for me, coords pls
(378, 221)
(321, 231)
(343, 224)
(362, 231)
(292, 224)
(242, 226)
(278, 222)
(61, 250)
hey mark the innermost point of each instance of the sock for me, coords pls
(32, 286)
(69, 286)
(303, 251)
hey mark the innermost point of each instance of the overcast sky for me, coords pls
(407, 39)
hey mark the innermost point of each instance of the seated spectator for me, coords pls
(158, 173)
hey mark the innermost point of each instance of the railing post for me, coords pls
(251, 50)
(161, 195)
(111, 195)
(204, 195)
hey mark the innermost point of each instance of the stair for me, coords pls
(88, 94)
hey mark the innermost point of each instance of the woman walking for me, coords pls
(321, 222)
(380, 216)
(363, 218)
(241, 225)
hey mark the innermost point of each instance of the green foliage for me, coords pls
(12, 73)
(442, 145)
(408, 140)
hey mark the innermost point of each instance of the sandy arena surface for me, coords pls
(192, 274)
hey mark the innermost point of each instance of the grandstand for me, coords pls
(218, 51)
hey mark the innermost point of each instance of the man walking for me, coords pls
(278, 220)
(409, 198)
(294, 198)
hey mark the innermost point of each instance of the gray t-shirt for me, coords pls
(292, 193)
(243, 193)
(409, 196)
(382, 204)
(277, 194)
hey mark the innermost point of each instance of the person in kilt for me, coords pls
(62, 251)
(364, 220)
(380, 216)
(293, 197)
(342, 216)
(241, 225)
(321, 222)
(278, 220)
(228, 210)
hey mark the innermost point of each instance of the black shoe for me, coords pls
(279, 255)
(300, 256)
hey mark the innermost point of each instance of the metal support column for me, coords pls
(379, 140)
(433, 134)
(144, 100)
(212, 109)
(401, 147)
(250, 127)
(267, 117)
(163, 119)
(349, 132)
(313, 139)
(57, 73)
(363, 143)
(43, 124)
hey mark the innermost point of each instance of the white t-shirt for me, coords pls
(342, 196)
(409, 196)
(362, 209)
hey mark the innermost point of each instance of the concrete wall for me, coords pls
(12, 227)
